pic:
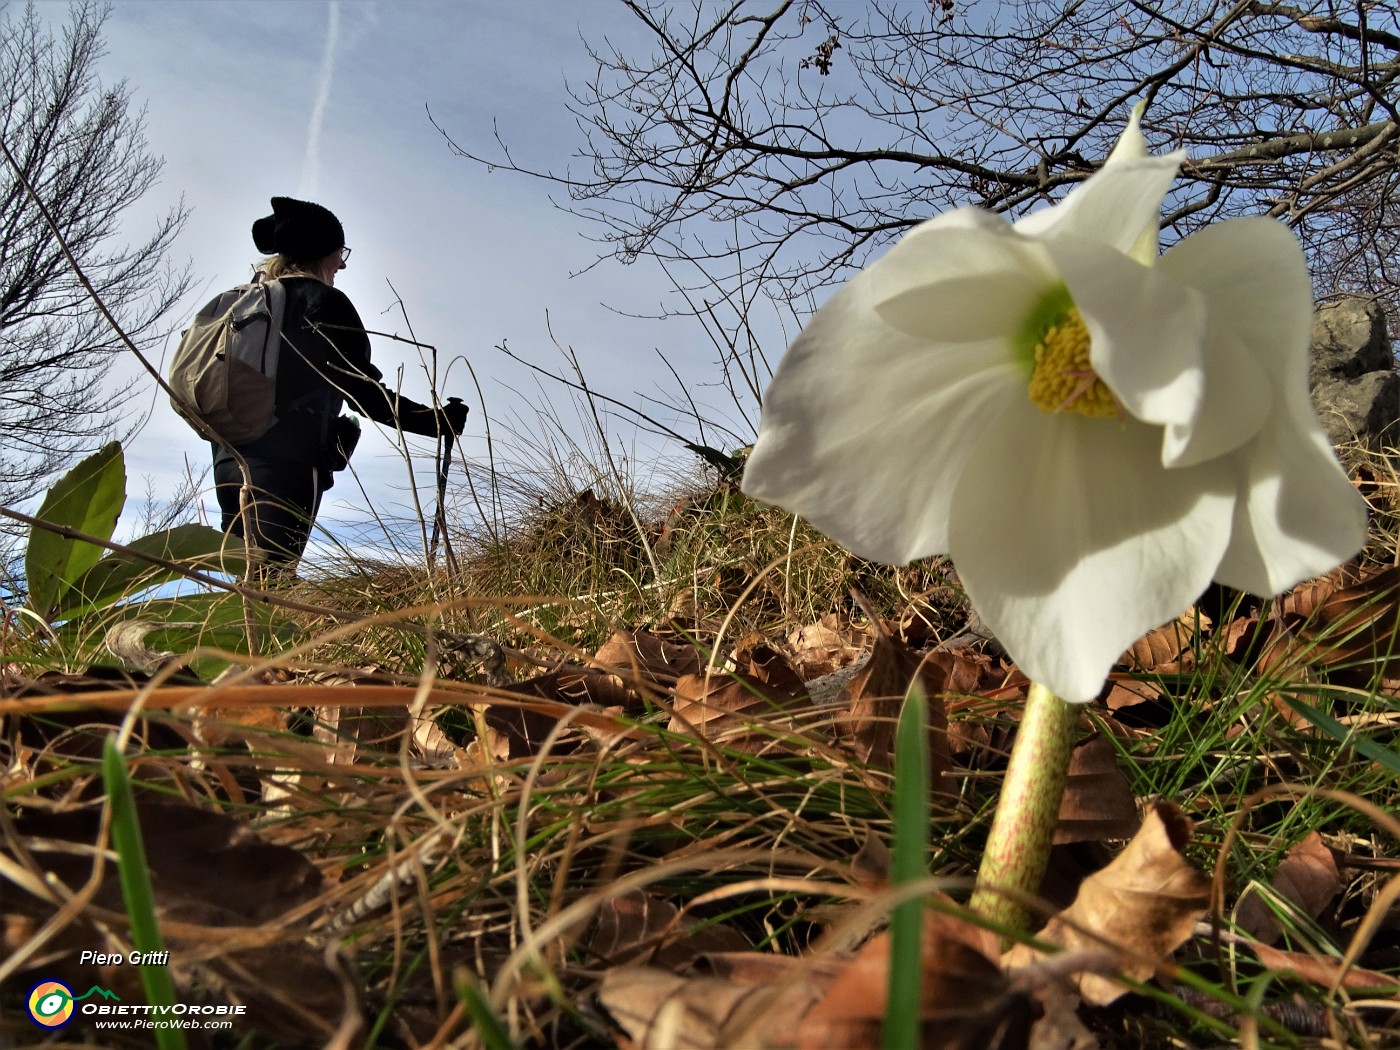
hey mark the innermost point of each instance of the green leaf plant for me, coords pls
(79, 589)
(87, 499)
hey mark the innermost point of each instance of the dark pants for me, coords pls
(285, 499)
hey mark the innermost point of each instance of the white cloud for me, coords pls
(309, 183)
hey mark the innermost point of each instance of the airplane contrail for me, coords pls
(311, 161)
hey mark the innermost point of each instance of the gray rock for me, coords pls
(1355, 387)
(1364, 408)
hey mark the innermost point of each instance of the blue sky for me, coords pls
(328, 101)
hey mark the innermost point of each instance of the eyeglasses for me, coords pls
(345, 255)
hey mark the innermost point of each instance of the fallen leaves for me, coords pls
(966, 1002)
(1097, 803)
(557, 774)
(234, 908)
(747, 1007)
(824, 647)
(1140, 908)
(640, 927)
(739, 710)
(1128, 919)
(1306, 879)
(871, 701)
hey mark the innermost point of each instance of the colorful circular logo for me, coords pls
(50, 1004)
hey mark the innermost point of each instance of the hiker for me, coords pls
(325, 365)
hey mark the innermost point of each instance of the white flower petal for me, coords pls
(961, 283)
(1255, 278)
(1297, 515)
(1259, 303)
(1114, 205)
(865, 429)
(1073, 541)
(1130, 145)
(1145, 329)
(1238, 399)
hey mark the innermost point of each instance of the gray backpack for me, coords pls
(224, 373)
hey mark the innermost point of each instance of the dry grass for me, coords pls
(456, 849)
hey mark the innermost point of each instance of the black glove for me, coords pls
(452, 417)
(345, 435)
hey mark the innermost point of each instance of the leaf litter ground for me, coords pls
(668, 839)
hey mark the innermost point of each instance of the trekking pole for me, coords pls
(440, 515)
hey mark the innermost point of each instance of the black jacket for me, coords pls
(324, 366)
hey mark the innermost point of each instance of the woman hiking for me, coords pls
(324, 366)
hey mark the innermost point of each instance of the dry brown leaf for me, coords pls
(873, 697)
(1059, 1026)
(433, 746)
(1359, 621)
(660, 1010)
(207, 871)
(825, 646)
(193, 855)
(1142, 906)
(637, 925)
(927, 617)
(1097, 803)
(351, 731)
(1168, 648)
(724, 708)
(1129, 692)
(526, 729)
(1238, 630)
(755, 968)
(872, 862)
(63, 739)
(1342, 625)
(1307, 877)
(290, 992)
(1300, 602)
(1324, 972)
(648, 658)
(966, 1003)
(594, 687)
(766, 1002)
(756, 658)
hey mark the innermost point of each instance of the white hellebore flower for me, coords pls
(1093, 432)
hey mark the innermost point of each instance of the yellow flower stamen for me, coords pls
(1062, 379)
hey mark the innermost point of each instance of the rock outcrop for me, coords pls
(1355, 386)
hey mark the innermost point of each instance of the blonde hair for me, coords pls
(277, 266)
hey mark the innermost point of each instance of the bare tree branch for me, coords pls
(81, 146)
(776, 144)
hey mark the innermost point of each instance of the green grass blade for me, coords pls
(136, 889)
(1344, 735)
(909, 864)
(488, 1026)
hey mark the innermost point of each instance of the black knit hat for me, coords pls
(300, 230)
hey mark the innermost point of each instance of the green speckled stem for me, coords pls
(1018, 846)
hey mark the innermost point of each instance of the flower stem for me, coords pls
(1018, 846)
